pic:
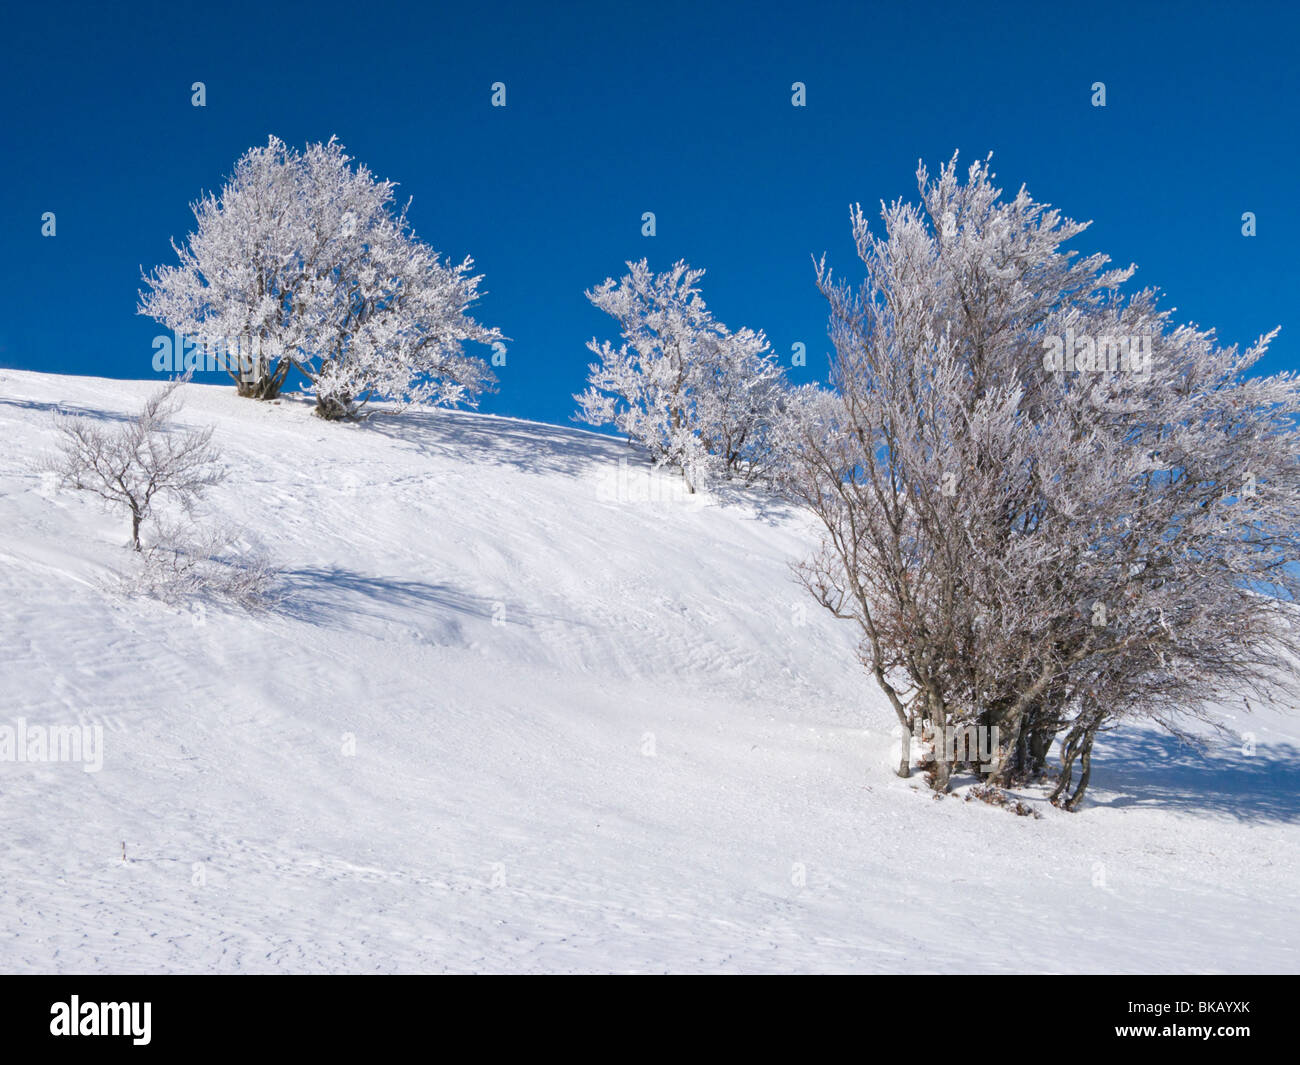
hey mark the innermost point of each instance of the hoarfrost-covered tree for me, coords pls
(696, 395)
(138, 463)
(303, 262)
(737, 396)
(144, 459)
(1047, 508)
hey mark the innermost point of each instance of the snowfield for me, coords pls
(528, 708)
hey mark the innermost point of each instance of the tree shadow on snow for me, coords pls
(68, 409)
(1218, 779)
(317, 594)
(535, 447)
(763, 503)
(483, 440)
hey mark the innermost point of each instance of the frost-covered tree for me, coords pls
(643, 387)
(737, 397)
(302, 261)
(133, 464)
(696, 395)
(143, 461)
(1047, 508)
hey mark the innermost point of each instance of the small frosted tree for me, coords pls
(737, 397)
(302, 261)
(146, 460)
(1045, 541)
(134, 464)
(697, 396)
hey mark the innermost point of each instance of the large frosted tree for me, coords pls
(303, 262)
(1047, 507)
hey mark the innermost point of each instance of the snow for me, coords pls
(590, 734)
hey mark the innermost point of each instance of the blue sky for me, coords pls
(683, 109)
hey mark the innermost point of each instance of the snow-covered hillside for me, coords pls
(528, 709)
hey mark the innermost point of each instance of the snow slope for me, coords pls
(514, 716)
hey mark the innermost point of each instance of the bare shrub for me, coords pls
(187, 562)
(130, 466)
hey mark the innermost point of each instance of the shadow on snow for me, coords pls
(316, 595)
(1217, 779)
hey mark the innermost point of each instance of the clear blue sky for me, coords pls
(682, 109)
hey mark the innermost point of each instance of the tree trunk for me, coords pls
(265, 387)
(1078, 745)
(334, 408)
(1009, 753)
(1069, 751)
(1085, 766)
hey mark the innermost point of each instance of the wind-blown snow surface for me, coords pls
(590, 734)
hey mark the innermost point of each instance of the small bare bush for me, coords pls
(187, 562)
(131, 466)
